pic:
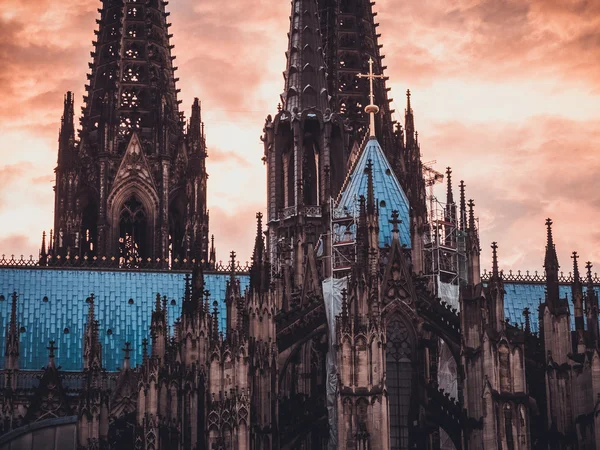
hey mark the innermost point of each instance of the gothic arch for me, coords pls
(119, 199)
(401, 359)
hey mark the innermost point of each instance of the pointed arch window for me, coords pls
(133, 231)
(399, 380)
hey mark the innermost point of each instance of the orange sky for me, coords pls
(507, 92)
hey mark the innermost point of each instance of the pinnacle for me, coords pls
(494, 259)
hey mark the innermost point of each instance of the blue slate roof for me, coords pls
(388, 193)
(527, 295)
(66, 307)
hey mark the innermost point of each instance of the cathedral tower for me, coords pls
(133, 185)
(304, 151)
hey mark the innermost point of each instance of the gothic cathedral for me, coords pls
(364, 320)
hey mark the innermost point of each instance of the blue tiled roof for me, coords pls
(388, 193)
(67, 291)
(527, 295)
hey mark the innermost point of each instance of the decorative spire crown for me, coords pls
(371, 108)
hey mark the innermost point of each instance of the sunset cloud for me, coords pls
(505, 92)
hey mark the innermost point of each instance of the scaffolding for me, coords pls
(444, 243)
(343, 228)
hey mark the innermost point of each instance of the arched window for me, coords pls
(399, 380)
(133, 226)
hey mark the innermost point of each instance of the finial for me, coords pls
(576, 279)
(463, 207)
(395, 222)
(549, 226)
(449, 194)
(408, 108)
(590, 279)
(471, 215)
(494, 259)
(371, 108)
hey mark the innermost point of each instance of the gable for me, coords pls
(389, 195)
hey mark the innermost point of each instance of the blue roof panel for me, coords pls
(66, 309)
(388, 193)
(529, 295)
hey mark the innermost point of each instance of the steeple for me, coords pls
(305, 82)
(132, 82)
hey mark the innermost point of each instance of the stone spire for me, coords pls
(66, 137)
(555, 303)
(305, 82)
(463, 207)
(409, 123)
(259, 271)
(132, 82)
(496, 287)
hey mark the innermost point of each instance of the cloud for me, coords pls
(520, 174)
(506, 92)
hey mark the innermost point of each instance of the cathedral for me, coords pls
(364, 320)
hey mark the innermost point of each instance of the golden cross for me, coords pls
(371, 108)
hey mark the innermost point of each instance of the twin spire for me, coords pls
(305, 78)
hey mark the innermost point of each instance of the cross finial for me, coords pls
(395, 221)
(371, 108)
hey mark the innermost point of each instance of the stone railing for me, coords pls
(534, 277)
(308, 211)
(114, 263)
